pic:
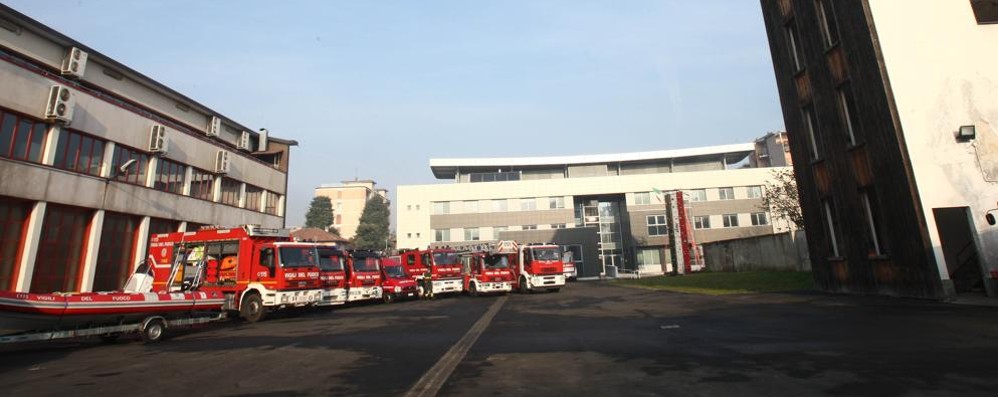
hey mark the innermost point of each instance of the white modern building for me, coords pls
(95, 157)
(612, 198)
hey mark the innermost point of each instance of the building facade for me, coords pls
(348, 200)
(891, 109)
(616, 197)
(95, 157)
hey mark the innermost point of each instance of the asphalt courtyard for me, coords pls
(588, 339)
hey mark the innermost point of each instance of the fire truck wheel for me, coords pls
(473, 289)
(252, 309)
(153, 331)
(388, 298)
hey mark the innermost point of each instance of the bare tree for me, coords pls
(781, 198)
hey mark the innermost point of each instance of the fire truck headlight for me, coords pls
(398, 289)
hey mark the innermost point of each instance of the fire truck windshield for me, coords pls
(445, 258)
(547, 254)
(299, 257)
(365, 264)
(395, 272)
(329, 261)
(497, 262)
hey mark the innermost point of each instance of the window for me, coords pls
(22, 138)
(417, 207)
(985, 11)
(493, 176)
(759, 219)
(253, 196)
(657, 226)
(529, 227)
(230, 191)
(471, 234)
(649, 256)
(754, 191)
(442, 235)
(726, 193)
(556, 202)
(202, 184)
(271, 201)
(64, 230)
(408, 235)
(701, 222)
(116, 253)
(829, 26)
(811, 128)
(498, 229)
(847, 106)
(832, 222)
(698, 195)
(338, 219)
(170, 176)
(471, 207)
(135, 173)
(79, 152)
(499, 205)
(161, 226)
(793, 45)
(417, 235)
(875, 240)
(528, 204)
(643, 198)
(558, 226)
(408, 207)
(730, 220)
(441, 207)
(13, 218)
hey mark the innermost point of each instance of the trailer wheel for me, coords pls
(252, 308)
(473, 289)
(153, 330)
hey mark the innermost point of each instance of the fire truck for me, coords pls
(488, 272)
(396, 282)
(256, 269)
(332, 274)
(538, 266)
(443, 264)
(363, 273)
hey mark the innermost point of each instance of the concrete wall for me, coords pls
(773, 252)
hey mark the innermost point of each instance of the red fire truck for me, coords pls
(396, 282)
(538, 266)
(444, 266)
(332, 274)
(488, 272)
(363, 275)
(256, 269)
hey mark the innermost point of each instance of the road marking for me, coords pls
(433, 380)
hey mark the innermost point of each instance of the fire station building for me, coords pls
(607, 209)
(95, 157)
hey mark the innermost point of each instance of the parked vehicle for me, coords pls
(363, 272)
(255, 269)
(396, 282)
(538, 266)
(444, 266)
(486, 273)
(333, 275)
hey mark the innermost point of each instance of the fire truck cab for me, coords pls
(538, 266)
(396, 282)
(444, 266)
(363, 272)
(486, 273)
(256, 269)
(332, 274)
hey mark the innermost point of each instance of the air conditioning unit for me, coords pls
(214, 126)
(60, 104)
(75, 63)
(222, 162)
(244, 141)
(157, 139)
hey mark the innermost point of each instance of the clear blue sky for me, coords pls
(374, 89)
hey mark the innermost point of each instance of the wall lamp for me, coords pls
(966, 133)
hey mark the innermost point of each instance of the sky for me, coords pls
(375, 89)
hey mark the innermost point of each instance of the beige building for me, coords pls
(95, 157)
(348, 200)
(613, 195)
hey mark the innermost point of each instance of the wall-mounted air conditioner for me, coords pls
(214, 126)
(60, 104)
(75, 63)
(157, 139)
(222, 162)
(244, 141)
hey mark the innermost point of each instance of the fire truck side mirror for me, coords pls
(990, 218)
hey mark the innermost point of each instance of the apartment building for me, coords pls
(613, 198)
(348, 200)
(891, 110)
(95, 157)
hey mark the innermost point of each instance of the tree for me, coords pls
(320, 213)
(781, 198)
(372, 233)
